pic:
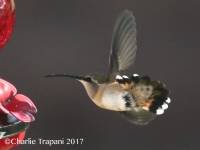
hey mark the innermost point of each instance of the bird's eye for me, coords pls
(88, 79)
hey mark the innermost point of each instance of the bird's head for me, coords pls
(91, 82)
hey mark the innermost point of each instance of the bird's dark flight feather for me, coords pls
(123, 48)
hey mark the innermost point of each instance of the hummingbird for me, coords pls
(137, 99)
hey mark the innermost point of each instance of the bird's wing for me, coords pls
(138, 117)
(123, 48)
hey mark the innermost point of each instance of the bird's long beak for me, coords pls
(66, 75)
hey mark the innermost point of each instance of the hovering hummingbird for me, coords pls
(137, 99)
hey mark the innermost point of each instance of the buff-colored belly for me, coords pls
(111, 97)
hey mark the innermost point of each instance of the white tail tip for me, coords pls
(164, 106)
(168, 100)
(159, 111)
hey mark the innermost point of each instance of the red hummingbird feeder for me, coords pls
(7, 20)
(15, 115)
(15, 109)
(12, 131)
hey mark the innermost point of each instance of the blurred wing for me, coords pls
(123, 48)
(139, 117)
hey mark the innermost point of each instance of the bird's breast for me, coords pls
(113, 97)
